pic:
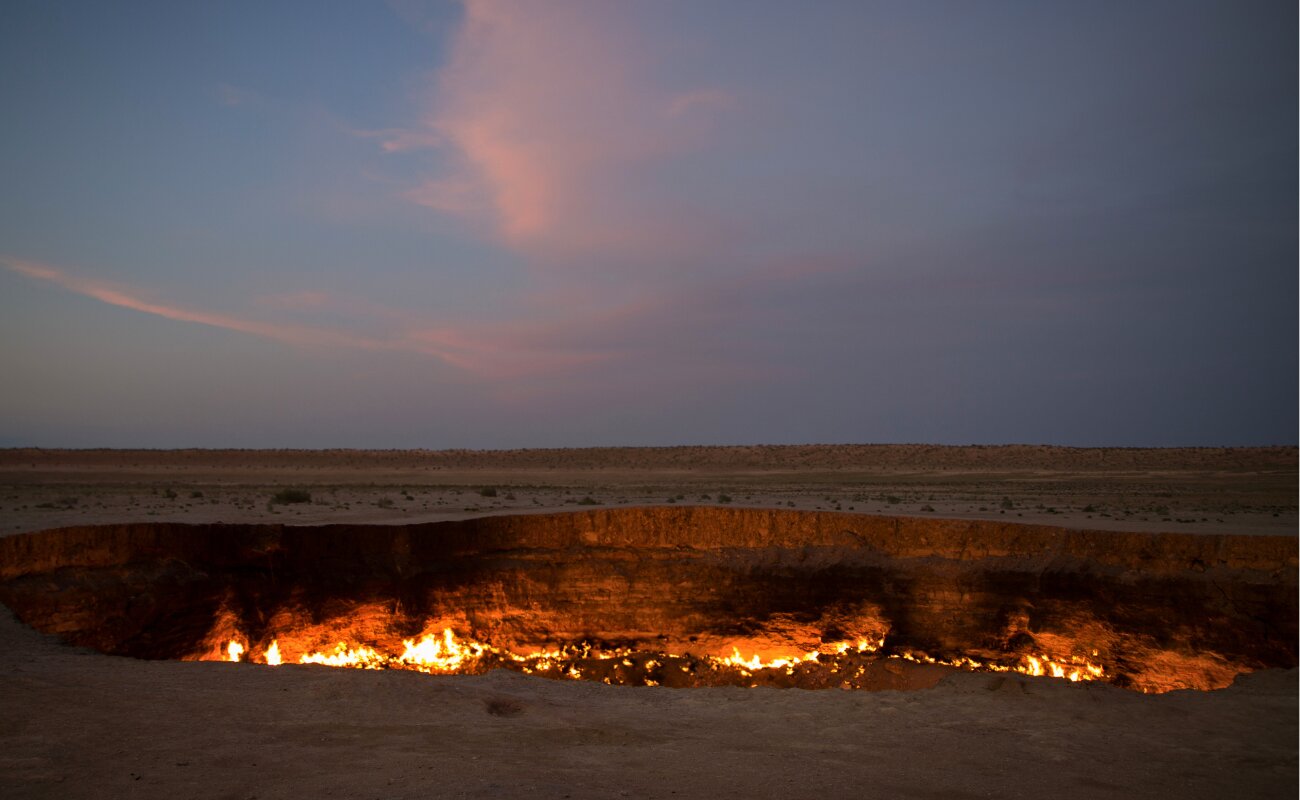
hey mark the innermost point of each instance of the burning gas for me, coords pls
(1073, 668)
(840, 663)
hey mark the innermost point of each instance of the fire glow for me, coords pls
(679, 598)
(446, 654)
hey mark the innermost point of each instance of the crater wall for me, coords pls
(1158, 611)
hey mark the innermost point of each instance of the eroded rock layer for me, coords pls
(1158, 611)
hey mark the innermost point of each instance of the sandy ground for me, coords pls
(1205, 490)
(80, 724)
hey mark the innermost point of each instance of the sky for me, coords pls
(491, 224)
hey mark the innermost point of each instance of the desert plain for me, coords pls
(84, 724)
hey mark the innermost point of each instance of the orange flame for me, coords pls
(443, 654)
(1071, 668)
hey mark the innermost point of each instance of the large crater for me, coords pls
(677, 596)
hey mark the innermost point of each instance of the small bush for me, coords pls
(588, 501)
(384, 502)
(724, 498)
(169, 494)
(488, 491)
(286, 497)
(196, 493)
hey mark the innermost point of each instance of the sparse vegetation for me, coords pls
(488, 491)
(286, 497)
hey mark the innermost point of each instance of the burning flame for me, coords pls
(432, 654)
(1072, 668)
(754, 663)
(1080, 670)
(344, 656)
(443, 654)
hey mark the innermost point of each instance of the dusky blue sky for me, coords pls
(492, 224)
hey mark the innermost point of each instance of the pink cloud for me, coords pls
(501, 352)
(551, 117)
(548, 347)
(129, 298)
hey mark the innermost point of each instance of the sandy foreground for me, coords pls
(82, 724)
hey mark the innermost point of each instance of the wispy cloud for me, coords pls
(555, 127)
(490, 352)
(125, 297)
(549, 118)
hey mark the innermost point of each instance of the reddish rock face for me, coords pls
(1157, 612)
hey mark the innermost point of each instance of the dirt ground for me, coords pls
(81, 724)
(1204, 490)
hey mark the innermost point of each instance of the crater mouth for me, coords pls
(675, 597)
